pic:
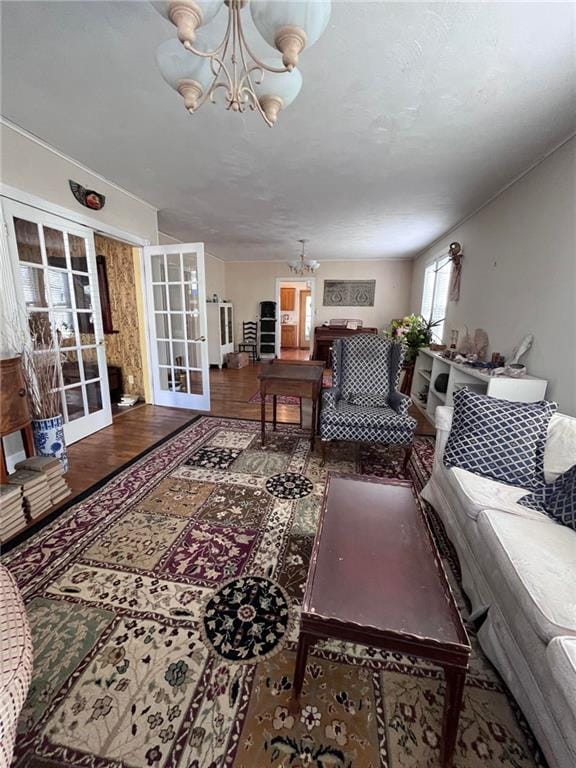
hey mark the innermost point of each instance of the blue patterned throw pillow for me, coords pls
(500, 439)
(557, 499)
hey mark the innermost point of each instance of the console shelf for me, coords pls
(429, 365)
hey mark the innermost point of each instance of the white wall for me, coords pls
(250, 282)
(519, 272)
(38, 170)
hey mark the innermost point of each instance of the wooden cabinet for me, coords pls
(324, 336)
(220, 322)
(287, 299)
(288, 336)
(14, 412)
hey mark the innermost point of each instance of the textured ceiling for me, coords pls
(411, 116)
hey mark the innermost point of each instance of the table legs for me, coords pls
(304, 642)
(274, 413)
(455, 679)
(263, 414)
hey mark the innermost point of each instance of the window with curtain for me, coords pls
(435, 294)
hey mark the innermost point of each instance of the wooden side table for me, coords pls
(14, 411)
(281, 378)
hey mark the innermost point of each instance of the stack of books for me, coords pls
(52, 469)
(12, 517)
(35, 490)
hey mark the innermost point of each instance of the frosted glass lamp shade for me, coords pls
(290, 26)
(188, 15)
(181, 69)
(277, 90)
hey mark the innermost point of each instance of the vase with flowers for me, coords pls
(414, 333)
(41, 367)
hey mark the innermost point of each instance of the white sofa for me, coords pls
(519, 569)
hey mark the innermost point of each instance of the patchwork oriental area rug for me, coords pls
(164, 614)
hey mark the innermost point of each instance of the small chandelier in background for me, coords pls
(265, 85)
(303, 266)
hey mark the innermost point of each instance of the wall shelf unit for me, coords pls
(429, 365)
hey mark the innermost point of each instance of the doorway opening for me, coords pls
(295, 330)
(121, 321)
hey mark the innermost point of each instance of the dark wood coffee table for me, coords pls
(290, 378)
(376, 578)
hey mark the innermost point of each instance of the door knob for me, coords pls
(200, 338)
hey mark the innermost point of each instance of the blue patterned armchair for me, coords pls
(363, 403)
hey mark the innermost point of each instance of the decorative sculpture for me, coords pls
(481, 343)
(456, 256)
(521, 349)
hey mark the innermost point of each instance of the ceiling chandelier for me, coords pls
(303, 266)
(265, 85)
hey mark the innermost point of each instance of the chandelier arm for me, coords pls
(255, 58)
(247, 85)
(219, 51)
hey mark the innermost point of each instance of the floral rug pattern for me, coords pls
(127, 672)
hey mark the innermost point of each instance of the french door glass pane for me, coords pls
(194, 356)
(175, 297)
(165, 376)
(191, 297)
(158, 269)
(173, 266)
(28, 241)
(74, 403)
(195, 384)
(94, 396)
(40, 329)
(192, 326)
(178, 353)
(164, 353)
(63, 325)
(177, 325)
(162, 330)
(59, 288)
(86, 328)
(190, 268)
(82, 291)
(33, 286)
(71, 367)
(90, 358)
(78, 260)
(55, 250)
(160, 302)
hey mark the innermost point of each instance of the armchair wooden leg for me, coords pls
(324, 444)
(407, 454)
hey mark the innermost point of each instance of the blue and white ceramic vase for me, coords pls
(49, 439)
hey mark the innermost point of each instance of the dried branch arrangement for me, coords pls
(40, 365)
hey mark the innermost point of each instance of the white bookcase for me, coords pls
(526, 389)
(220, 322)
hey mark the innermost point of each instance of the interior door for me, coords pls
(54, 267)
(176, 300)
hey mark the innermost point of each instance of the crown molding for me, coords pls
(495, 196)
(18, 129)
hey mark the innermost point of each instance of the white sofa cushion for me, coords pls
(531, 567)
(561, 657)
(476, 493)
(560, 451)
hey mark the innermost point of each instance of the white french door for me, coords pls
(54, 268)
(176, 300)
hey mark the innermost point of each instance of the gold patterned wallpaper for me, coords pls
(123, 348)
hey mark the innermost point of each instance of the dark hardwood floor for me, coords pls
(134, 431)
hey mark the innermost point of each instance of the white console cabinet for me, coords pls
(429, 365)
(220, 321)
